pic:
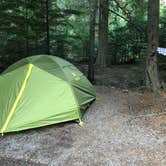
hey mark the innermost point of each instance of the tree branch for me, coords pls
(112, 11)
(128, 20)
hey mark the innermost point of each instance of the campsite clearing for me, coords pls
(119, 130)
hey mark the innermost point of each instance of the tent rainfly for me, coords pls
(42, 90)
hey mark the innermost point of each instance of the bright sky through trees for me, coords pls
(164, 1)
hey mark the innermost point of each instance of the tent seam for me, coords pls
(13, 109)
(80, 121)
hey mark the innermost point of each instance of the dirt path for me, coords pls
(120, 129)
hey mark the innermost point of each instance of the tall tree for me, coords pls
(93, 10)
(103, 33)
(152, 76)
(47, 28)
(26, 29)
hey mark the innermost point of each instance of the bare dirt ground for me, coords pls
(122, 127)
(121, 76)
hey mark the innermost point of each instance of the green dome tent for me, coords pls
(42, 90)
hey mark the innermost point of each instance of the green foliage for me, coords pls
(23, 29)
(127, 37)
(162, 34)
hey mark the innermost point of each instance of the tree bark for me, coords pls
(103, 33)
(93, 10)
(26, 30)
(47, 28)
(152, 76)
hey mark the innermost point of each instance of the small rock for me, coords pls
(125, 91)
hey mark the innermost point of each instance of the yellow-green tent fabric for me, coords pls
(42, 90)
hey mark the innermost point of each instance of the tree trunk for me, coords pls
(103, 33)
(152, 76)
(60, 49)
(26, 29)
(36, 44)
(47, 28)
(93, 10)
